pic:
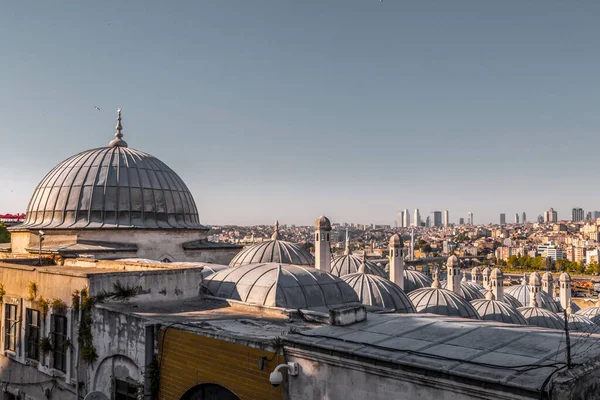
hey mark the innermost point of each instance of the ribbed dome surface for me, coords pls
(112, 187)
(277, 251)
(522, 293)
(280, 285)
(579, 323)
(492, 310)
(379, 292)
(442, 302)
(541, 317)
(414, 280)
(467, 291)
(593, 313)
(511, 301)
(475, 285)
(350, 264)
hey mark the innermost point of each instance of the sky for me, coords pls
(281, 109)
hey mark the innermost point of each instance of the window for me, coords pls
(10, 326)
(59, 345)
(32, 334)
(125, 390)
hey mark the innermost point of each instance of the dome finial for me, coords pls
(489, 295)
(276, 235)
(118, 140)
(362, 268)
(347, 251)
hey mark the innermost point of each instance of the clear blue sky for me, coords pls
(291, 109)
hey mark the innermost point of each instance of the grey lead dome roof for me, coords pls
(492, 310)
(522, 294)
(112, 187)
(443, 302)
(350, 264)
(277, 251)
(280, 285)
(541, 317)
(373, 290)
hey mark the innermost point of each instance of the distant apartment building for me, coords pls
(588, 216)
(437, 218)
(446, 218)
(575, 253)
(502, 253)
(470, 219)
(516, 218)
(417, 218)
(448, 247)
(550, 250)
(577, 214)
(502, 219)
(405, 218)
(591, 257)
(559, 228)
(461, 221)
(550, 216)
(524, 218)
(428, 222)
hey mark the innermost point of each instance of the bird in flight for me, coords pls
(97, 108)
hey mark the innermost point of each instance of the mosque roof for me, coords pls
(593, 313)
(522, 294)
(435, 300)
(350, 263)
(467, 291)
(541, 317)
(580, 323)
(375, 291)
(493, 310)
(414, 280)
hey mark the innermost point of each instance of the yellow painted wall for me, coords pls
(188, 359)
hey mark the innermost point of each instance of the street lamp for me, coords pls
(42, 234)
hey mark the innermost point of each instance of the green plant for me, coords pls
(75, 301)
(44, 305)
(45, 345)
(2, 293)
(33, 289)
(88, 354)
(58, 306)
(154, 372)
(67, 343)
(86, 339)
(121, 292)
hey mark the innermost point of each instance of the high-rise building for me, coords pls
(596, 214)
(551, 216)
(428, 221)
(516, 218)
(524, 218)
(540, 219)
(588, 216)
(405, 218)
(470, 219)
(437, 218)
(461, 221)
(502, 219)
(577, 214)
(417, 219)
(446, 218)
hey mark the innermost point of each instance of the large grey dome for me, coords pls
(112, 187)
(579, 323)
(541, 317)
(350, 264)
(442, 302)
(375, 291)
(277, 251)
(593, 313)
(280, 285)
(492, 310)
(467, 291)
(414, 280)
(522, 294)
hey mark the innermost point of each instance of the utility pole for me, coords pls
(568, 340)
(412, 244)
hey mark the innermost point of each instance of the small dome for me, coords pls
(467, 291)
(541, 317)
(375, 291)
(592, 313)
(511, 301)
(453, 261)
(442, 302)
(496, 274)
(547, 277)
(579, 323)
(492, 310)
(564, 277)
(350, 264)
(477, 286)
(208, 270)
(522, 294)
(396, 240)
(276, 251)
(535, 279)
(323, 224)
(280, 285)
(414, 280)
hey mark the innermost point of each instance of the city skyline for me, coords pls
(250, 107)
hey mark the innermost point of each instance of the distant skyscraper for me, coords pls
(588, 216)
(524, 219)
(550, 216)
(437, 218)
(470, 219)
(417, 219)
(516, 218)
(502, 219)
(540, 219)
(577, 214)
(446, 218)
(461, 221)
(596, 214)
(428, 221)
(405, 218)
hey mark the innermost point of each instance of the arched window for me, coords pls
(317, 236)
(209, 391)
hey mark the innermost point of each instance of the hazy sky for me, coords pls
(288, 109)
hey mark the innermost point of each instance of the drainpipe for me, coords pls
(149, 355)
(78, 348)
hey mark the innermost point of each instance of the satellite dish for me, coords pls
(95, 396)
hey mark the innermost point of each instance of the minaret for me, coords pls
(276, 235)
(565, 291)
(396, 261)
(322, 249)
(347, 250)
(118, 140)
(535, 293)
(453, 270)
(476, 275)
(497, 284)
(412, 244)
(547, 283)
(486, 277)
